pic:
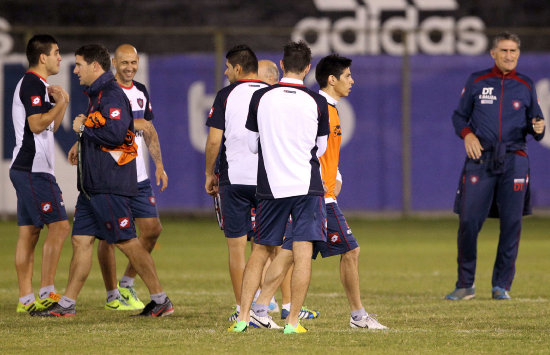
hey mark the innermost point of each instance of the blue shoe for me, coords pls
(500, 294)
(462, 294)
(305, 313)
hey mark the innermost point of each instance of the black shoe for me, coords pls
(55, 310)
(153, 309)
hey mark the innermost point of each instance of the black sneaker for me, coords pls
(55, 310)
(153, 309)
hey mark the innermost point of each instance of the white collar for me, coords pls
(331, 100)
(292, 81)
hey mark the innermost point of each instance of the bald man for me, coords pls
(268, 72)
(143, 206)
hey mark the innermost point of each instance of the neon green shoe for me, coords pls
(21, 308)
(119, 304)
(289, 329)
(43, 303)
(130, 296)
(238, 327)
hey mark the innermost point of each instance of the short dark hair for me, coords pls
(332, 64)
(296, 57)
(503, 36)
(244, 56)
(95, 53)
(37, 45)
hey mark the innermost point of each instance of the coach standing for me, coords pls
(496, 111)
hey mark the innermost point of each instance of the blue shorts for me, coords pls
(39, 199)
(339, 241)
(105, 216)
(144, 205)
(238, 204)
(308, 215)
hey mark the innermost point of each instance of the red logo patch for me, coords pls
(114, 113)
(516, 104)
(46, 207)
(124, 222)
(474, 179)
(36, 101)
(152, 200)
(211, 112)
(334, 238)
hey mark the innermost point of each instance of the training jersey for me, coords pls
(141, 108)
(237, 165)
(288, 117)
(329, 160)
(32, 152)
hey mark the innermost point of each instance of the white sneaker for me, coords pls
(263, 322)
(368, 322)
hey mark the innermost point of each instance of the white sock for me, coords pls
(113, 295)
(257, 294)
(66, 302)
(286, 306)
(126, 281)
(45, 291)
(159, 298)
(238, 308)
(27, 299)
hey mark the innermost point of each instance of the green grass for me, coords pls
(406, 267)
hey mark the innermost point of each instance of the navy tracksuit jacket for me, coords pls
(498, 109)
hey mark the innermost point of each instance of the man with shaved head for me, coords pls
(268, 71)
(143, 206)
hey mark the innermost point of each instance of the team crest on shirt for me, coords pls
(474, 179)
(211, 112)
(46, 207)
(114, 113)
(140, 102)
(152, 200)
(124, 222)
(36, 101)
(516, 104)
(334, 238)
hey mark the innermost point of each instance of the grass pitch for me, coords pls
(406, 267)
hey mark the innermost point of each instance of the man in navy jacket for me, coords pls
(106, 180)
(498, 108)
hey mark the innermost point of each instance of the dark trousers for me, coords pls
(480, 194)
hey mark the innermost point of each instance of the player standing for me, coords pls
(37, 112)
(237, 165)
(497, 109)
(143, 206)
(289, 128)
(107, 180)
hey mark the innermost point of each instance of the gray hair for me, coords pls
(506, 36)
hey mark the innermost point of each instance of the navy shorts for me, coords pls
(308, 215)
(39, 199)
(105, 216)
(340, 239)
(144, 205)
(238, 204)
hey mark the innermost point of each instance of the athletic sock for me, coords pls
(238, 308)
(27, 299)
(286, 306)
(260, 309)
(159, 298)
(66, 302)
(113, 295)
(45, 291)
(126, 281)
(358, 314)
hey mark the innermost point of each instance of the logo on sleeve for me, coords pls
(124, 222)
(46, 207)
(114, 113)
(150, 107)
(211, 112)
(36, 101)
